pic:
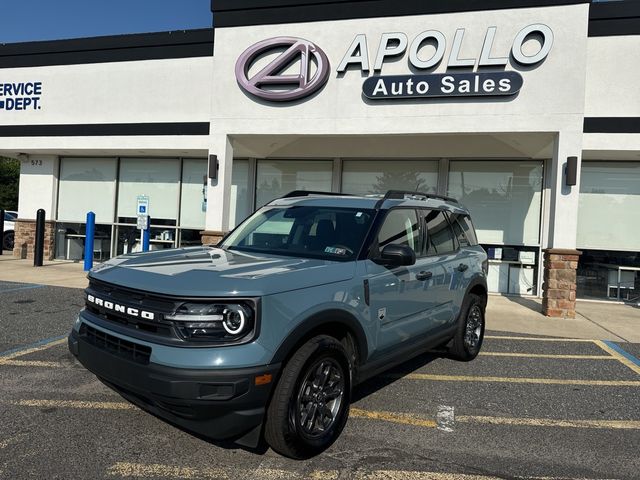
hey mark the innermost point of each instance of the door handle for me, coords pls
(423, 275)
(462, 267)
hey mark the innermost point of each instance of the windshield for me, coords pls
(329, 233)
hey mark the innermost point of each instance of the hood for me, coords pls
(213, 272)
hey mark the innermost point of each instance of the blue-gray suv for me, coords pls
(264, 335)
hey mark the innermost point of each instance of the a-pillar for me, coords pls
(218, 190)
(38, 189)
(560, 256)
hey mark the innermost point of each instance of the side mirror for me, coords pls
(397, 255)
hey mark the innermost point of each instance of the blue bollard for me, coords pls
(88, 241)
(146, 233)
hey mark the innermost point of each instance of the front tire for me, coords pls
(310, 405)
(468, 339)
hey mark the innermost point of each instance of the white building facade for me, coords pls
(488, 106)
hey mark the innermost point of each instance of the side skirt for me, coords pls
(403, 354)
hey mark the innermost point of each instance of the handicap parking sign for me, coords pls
(143, 211)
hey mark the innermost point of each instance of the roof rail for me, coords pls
(401, 194)
(307, 193)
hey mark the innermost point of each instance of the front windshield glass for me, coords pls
(329, 233)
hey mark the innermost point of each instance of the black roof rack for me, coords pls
(401, 194)
(306, 193)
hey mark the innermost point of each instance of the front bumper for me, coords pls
(221, 404)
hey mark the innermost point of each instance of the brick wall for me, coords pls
(559, 287)
(25, 237)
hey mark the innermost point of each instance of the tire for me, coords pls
(467, 341)
(7, 241)
(318, 370)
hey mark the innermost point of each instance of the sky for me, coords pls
(32, 20)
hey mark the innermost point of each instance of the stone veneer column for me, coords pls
(25, 238)
(559, 287)
(210, 237)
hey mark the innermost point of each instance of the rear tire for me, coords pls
(7, 241)
(467, 341)
(310, 404)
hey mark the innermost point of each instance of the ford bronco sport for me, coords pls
(265, 334)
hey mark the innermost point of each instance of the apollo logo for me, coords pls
(270, 82)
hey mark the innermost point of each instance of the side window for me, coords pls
(469, 231)
(439, 234)
(401, 227)
(458, 231)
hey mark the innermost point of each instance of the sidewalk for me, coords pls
(58, 273)
(596, 321)
(515, 315)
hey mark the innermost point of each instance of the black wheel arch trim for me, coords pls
(477, 280)
(315, 322)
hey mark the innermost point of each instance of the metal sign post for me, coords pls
(143, 223)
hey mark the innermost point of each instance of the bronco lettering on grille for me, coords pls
(107, 305)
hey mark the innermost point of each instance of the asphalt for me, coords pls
(32, 312)
(571, 418)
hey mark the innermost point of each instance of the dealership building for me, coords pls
(526, 111)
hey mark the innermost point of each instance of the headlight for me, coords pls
(222, 322)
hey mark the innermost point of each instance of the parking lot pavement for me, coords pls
(528, 407)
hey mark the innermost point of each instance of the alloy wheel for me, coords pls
(320, 397)
(473, 328)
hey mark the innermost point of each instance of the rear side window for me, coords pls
(463, 229)
(439, 234)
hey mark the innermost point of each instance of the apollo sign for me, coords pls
(269, 83)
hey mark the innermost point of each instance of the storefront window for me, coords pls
(504, 198)
(609, 267)
(609, 275)
(70, 239)
(609, 203)
(241, 206)
(87, 184)
(276, 178)
(363, 177)
(158, 178)
(192, 203)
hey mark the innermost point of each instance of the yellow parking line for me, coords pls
(139, 470)
(538, 339)
(542, 381)
(27, 351)
(31, 363)
(154, 470)
(548, 422)
(405, 418)
(625, 361)
(417, 475)
(421, 421)
(545, 355)
(74, 404)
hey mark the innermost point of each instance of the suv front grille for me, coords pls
(115, 345)
(137, 300)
